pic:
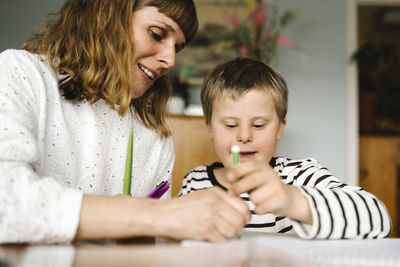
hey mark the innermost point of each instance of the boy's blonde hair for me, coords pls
(90, 41)
(241, 75)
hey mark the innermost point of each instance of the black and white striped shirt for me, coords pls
(339, 211)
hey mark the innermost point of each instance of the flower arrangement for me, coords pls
(259, 34)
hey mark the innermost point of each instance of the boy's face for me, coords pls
(250, 122)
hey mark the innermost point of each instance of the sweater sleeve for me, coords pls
(339, 211)
(32, 208)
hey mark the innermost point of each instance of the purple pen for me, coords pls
(159, 191)
(162, 191)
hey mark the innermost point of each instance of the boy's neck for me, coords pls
(220, 174)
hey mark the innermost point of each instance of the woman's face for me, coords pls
(156, 40)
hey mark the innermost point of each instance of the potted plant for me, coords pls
(259, 34)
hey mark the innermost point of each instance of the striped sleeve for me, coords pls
(339, 211)
(194, 180)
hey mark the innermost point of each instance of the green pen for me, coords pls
(128, 166)
(235, 154)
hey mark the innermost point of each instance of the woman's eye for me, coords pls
(155, 36)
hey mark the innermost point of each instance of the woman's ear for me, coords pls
(282, 126)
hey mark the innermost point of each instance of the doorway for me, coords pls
(377, 89)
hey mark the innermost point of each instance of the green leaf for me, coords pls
(245, 36)
(185, 72)
(288, 17)
(223, 37)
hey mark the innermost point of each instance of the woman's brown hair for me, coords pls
(89, 43)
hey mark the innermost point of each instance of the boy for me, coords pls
(245, 104)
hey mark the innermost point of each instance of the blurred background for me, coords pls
(341, 62)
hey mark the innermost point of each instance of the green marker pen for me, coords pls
(235, 153)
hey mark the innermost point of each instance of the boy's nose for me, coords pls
(244, 136)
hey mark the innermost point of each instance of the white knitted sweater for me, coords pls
(53, 151)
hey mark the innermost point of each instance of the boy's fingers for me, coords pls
(245, 168)
(236, 173)
(248, 183)
(260, 194)
(230, 176)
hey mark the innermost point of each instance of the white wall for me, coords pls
(18, 18)
(317, 80)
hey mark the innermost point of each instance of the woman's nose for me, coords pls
(244, 135)
(168, 56)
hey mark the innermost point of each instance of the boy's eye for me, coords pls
(231, 125)
(258, 126)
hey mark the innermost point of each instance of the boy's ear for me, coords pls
(209, 128)
(281, 129)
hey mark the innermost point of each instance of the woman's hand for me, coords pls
(267, 191)
(210, 214)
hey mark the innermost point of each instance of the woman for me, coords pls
(67, 103)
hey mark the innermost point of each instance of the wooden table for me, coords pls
(252, 250)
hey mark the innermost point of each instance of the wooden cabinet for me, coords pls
(193, 146)
(379, 172)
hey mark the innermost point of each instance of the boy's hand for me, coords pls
(267, 190)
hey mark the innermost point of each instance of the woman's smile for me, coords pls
(149, 75)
